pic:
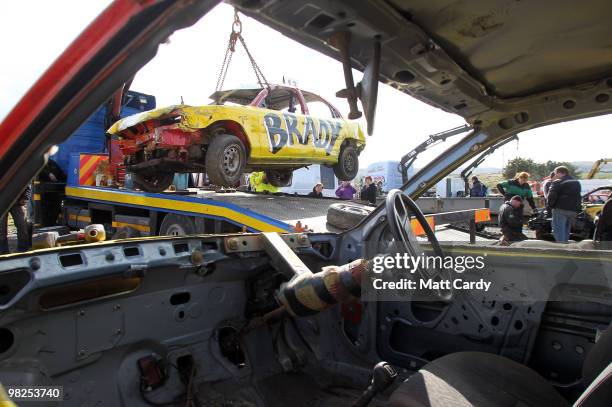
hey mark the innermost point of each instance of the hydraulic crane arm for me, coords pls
(407, 160)
(597, 166)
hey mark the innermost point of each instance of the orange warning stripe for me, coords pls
(140, 228)
(482, 215)
(417, 229)
(80, 218)
(87, 166)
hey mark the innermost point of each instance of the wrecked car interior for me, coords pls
(269, 319)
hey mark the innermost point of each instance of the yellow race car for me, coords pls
(276, 130)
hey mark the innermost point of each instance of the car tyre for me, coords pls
(225, 160)
(177, 225)
(153, 183)
(279, 178)
(348, 163)
(346, 215)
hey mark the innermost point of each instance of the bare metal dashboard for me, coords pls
(24, 273)
(86, 317)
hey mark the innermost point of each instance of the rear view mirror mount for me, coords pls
(367, 89)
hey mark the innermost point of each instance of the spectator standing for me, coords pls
(317, 191)
(478, 188)
(18, 213)
(547, 184)
(52, 172)
(345, 190)
(369, 191)
(511, 220)
(603, 230)
(518, 186)
(564, 201)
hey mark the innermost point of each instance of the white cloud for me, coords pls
(34, 33)
(188, 67)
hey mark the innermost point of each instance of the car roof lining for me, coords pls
(468, 57)
(517, 48)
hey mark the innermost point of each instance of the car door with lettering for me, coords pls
(328, 129)
(309, 137)
(287, 132)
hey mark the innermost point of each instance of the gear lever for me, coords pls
(383, 375)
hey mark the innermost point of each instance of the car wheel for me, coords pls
(177, 225)
(279, 178)
(225, 160)
(153, 183)
(346, 215)
(348, 163)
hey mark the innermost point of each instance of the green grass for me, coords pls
(599, 175)
(490, 180)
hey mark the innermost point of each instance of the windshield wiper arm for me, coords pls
(467, 171)
(408, 159)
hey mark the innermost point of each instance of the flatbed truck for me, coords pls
(74, 201)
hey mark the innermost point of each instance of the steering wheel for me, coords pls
(399, 207)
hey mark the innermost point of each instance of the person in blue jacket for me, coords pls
(478, 188)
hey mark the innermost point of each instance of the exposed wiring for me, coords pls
(187, 397)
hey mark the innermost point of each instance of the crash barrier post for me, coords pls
(469, 216)
(472, 231)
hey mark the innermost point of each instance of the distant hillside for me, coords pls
(583, 167)
(487, 170)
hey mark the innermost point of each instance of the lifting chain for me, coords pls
(236, 35)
